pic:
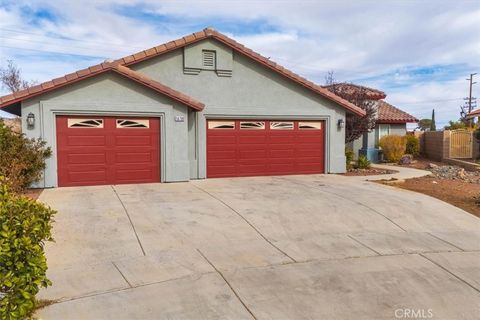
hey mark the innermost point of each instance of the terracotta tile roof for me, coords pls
(93, 71)
(390, 114)
(474, 113)
(173, 45)
(349, 88)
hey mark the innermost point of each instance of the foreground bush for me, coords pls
(25, 225)
(393, 147)
(413, 145)
(22, 160)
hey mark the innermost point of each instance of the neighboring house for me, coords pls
(390, 119)
(198, 107)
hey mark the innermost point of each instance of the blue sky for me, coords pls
(418, 52)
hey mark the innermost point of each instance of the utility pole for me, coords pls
(470, 95)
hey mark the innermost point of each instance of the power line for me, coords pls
(58, 45)
(429, 101)
(60, 37)
(55, 52)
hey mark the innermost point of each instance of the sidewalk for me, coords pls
(401, 174)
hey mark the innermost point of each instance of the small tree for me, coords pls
(433, 126)
(454, 125)
(22, 160)
(11, 78)
(424, 124)
(355, 126)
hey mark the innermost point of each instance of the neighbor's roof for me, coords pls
(350, 88)
(390, 114)
(474, 113)
(167, 47)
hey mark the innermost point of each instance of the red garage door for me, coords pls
(258, 148)
(95, 150)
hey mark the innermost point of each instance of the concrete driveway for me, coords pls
(296, 247)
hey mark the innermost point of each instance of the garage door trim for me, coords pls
(54, 112)
(326, 120)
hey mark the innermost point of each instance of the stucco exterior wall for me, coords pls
(111, 94)
(253, 91)
(237, 87)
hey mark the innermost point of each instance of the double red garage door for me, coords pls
(256, 148)
(95, 150)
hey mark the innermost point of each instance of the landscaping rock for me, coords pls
(406, 159)
(432, 166)
(455, 173)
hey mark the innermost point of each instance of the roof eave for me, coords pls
(396, 121)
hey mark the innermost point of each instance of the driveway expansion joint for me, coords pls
(451, 273)
(363, 244)
(248, 222)
(445, 241)
(129, 219)
(228, 284)
(123, 276)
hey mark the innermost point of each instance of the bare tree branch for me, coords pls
(355, 126)
(11, 78)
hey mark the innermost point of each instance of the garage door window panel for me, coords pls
(85, 123)
(252, 125)
(310, 125)
(221, 124)
(285, 125)
(129, 123)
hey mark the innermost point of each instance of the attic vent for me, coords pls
(208, 59)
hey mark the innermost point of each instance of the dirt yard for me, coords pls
(448, 183)
(459, 193)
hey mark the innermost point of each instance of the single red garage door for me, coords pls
(259, 148)
(95, 150)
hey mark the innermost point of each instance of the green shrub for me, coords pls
(25, 225)
(22, 160)
(413, 145)
(349, 154)
(363, 163)
(393, 147)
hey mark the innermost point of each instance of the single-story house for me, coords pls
(389, 119)
(202, 106)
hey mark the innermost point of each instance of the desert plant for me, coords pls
(363, 163)
(393, 147)
(413, 145)
(25, 226)
(22, 160)
(349, 154)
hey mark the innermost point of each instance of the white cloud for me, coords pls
(357, 39)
